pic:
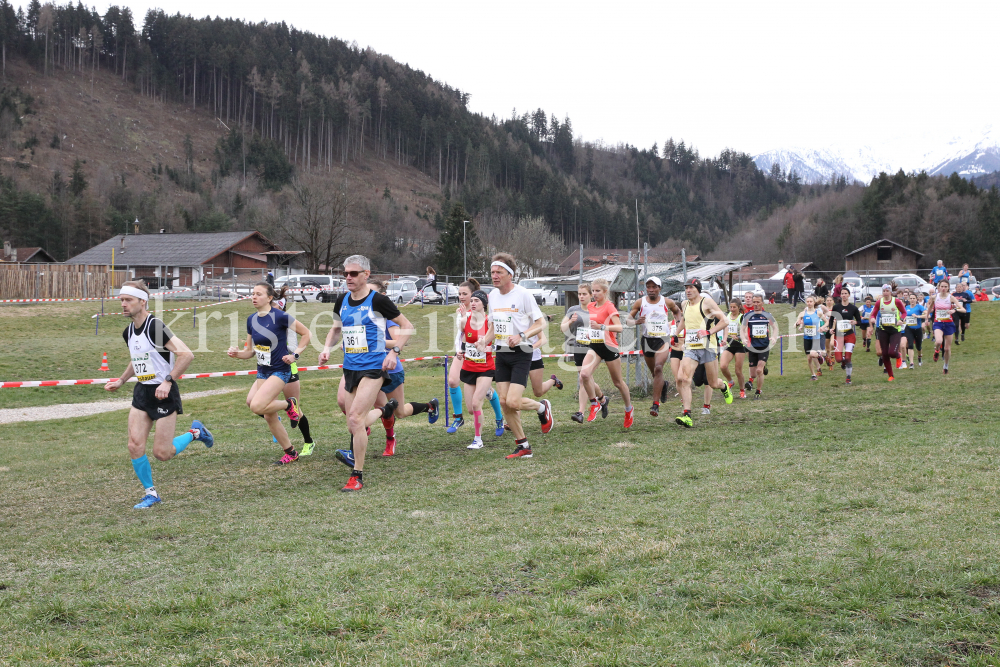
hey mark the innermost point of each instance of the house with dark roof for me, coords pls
(883, 256)
(595, 257)
(33, 255)
(187, 259)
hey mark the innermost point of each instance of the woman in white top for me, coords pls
(432, 279)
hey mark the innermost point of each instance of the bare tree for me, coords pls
(534, 247)
(317, 221)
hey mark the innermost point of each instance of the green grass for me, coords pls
(824, 525)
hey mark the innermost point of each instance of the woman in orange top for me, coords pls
(604, 325)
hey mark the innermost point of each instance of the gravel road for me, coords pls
(69, 410)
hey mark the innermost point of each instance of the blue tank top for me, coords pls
(269, 335)
(364, 334)
(811, 325)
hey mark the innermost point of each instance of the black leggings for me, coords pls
(434, 286)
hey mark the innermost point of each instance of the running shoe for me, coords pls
(147, 501)
(353, 484)
(912, 366)
(902, 365)
(814, 378)
(829, 363)
(628, 417)
(757, 395)
(500, 428)
(577, 417)
(843, 365)
(848, 381)
(945, 371)
(748, 385)
(477, 443)
(604, 406)
(684, 420)
(654, 410)
(345, 456)
(390, 447)
(727, 394)
(286, 459)
(557, 383)
(432, 411)
(546, 417)
(520, 453)
(203, 433)
(663, 392)
(963, 338)
(936, 353)
(743, 393)
(899, 362)
(389, 409)
(706, 411)
(765, 370)
(307, 449)
(920, 363)
(293, 410)
(819, 372)
(730, 384)
(594, 407)
(456, 424)
(892, 378)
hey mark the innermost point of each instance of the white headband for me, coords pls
(132, 291)
(501, 264)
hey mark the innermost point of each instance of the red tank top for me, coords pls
(470, 335)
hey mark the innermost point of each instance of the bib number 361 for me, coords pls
(355, 340)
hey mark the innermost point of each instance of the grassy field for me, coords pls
(823, 525)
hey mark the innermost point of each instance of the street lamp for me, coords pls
(465, 258)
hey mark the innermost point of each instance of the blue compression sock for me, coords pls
(495, 402)
(143, 471)
(456, 400)
(182, 441)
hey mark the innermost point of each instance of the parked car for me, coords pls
(401, 291)
(953, 281)
(429, 296)
(544, 295)
(913, 282)
(308, 287)
(857, 287)
(739, 289)
(991, 286)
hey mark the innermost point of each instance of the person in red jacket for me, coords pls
(789, 282)
(981, 295)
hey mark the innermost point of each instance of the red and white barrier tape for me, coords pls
(207, 304)
(92, 298)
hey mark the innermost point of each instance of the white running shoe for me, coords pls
(706, 411)
(477, 443)
(903, 365)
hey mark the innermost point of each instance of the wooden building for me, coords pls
(882, 256)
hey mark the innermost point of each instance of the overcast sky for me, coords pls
(750, 75)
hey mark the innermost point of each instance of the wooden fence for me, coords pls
(57, 281)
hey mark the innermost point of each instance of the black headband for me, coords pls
(482, 296)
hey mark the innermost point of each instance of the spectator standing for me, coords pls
(822, 290)
(838, 285)
(800, 286)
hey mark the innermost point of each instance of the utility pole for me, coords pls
(465, 257)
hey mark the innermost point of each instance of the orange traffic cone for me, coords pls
(104, 363)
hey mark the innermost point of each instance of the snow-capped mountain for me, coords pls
(969, 156)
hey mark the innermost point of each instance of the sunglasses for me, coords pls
(353, 274)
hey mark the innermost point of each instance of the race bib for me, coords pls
(355, 340)
(143, 368)
(263, 353)
(887, 319)
(583, 336)
(911, 320)
(942, 314)
(473, 354)
(596, 336)
(733, 328)
(656, 328)
(844, 325)
(673, 328)
(693, 339)
(810, 330)
(758, 330)
(502, 326)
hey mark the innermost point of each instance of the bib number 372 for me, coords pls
(143, 368)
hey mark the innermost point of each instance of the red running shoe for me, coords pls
(628, 417)
(390, 447)
(520, 452)
(546, 417)
(353, 484)
(594, 408)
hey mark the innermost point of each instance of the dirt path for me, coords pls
(69, 410)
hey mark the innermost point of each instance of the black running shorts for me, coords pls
(650, 346)
(736, 347)
(470, 377)
(512, 366)
(144, 398)
(353, 378)
(604, 352)
(536, 364)
(755, 357)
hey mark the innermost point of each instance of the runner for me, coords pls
(539, 386)
(810, 321)
(576, 326)
(945, 307)
(604, 324)
(938, 273)
(964, 295)
(758, 329)
(516, 318)
(845, 317)
(465, 291)
(888, 317)
(827, 312)
(866, 328)
(735, 349)
(267, 340)
(913, 334)
(697, 311)
(292, 389)
(651, 312)
(676, 350)
(478, 366)
(156, 356)
(361, 315)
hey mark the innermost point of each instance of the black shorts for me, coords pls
(512, 366)
(755, 357)
(604, 352)
(736, 346)
(470, 377)
(914, 338)
(353, 378)
(294, 378)
(144, 398)
(578, 358)
(536, 364)
(650, 346)
(676, 354)
(864, 325)
(810, 344)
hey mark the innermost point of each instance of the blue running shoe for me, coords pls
(346, 457)
(204, 434)
(432, 411)
(456, 424)
(147, 501)
(500, 429)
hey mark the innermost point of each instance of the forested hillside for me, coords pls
(276, 111)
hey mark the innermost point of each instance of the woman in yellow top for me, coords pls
(700, 348)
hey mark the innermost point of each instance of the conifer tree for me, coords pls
(451, 244)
